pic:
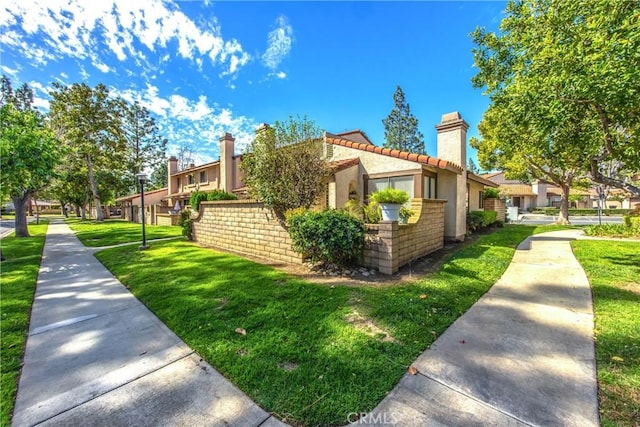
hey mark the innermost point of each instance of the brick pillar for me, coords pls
(496, 205)
(389, 248)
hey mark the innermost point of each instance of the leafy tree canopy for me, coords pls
(29, 151)
(284, 165)
(564, 83)
(401, 127)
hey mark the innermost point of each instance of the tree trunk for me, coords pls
(94, 190)
(21, 205)
(563, 217)
(83, 212)
(77, 211)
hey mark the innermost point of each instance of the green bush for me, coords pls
(480, 219)
(612, 230)
(216, 195)
(196, 198)
(370, 213)
(211, 196)
(329, 237)
(491, 193)
(186, 223)
(390, 195)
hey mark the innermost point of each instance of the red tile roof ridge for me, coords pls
(404, 155)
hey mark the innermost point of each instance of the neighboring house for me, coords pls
(223, 174)
(536, 195)
(154, 204)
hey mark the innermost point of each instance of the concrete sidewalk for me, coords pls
(96, 356)
(522, 355)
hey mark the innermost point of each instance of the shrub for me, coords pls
(215, 195)
(186, 223)
(405, 214)
(329, 237)
(196, 198)
(370, 214)
(632, 218)
(491, 193)
(480, 219)
(390, 195)
(612, 230)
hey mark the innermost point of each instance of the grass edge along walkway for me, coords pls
(118, 231)
(18, 278)
(613, 269)
(308, 353)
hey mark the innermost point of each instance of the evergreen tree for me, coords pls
(401, 127)
(472, 167)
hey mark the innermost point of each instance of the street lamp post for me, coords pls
(142, 177)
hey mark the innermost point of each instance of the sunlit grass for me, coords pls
(18, 276)
(116, 231)
(305, 356)
(613, 269)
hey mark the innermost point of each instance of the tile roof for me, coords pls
(516, 190)
(133, 196)
(481, 180)
(404, 155)
(339, 165)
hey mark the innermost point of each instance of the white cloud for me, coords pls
(281, 75)
(199, 123)
(72, 28)
(279, 43)
(10, 71)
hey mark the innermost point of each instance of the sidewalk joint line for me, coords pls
(474, 398)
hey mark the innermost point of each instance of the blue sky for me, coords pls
(205, 67)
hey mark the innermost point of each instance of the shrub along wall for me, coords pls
(246, 227)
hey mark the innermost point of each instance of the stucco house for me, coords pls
(154, 205)
(358, 168)
(537, 194)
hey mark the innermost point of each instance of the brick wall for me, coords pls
(497, 205)
(243, 226)
(167, 219)
(247, 227)
(390, 245)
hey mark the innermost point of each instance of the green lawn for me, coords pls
(614, 272)
(312, 353)
(116, 231)
(18, 275)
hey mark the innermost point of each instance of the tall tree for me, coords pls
(472, 167)
(159, 176)
(566, 68)
(401, 127)
(86, 120)
(28, 150)
(284, 165)
(146, 147)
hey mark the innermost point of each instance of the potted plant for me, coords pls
(390, 201)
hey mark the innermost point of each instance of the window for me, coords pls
(481, 200)
(203, 176)
(179, 185)
(400, 182)
(190, 179)
(429, 187)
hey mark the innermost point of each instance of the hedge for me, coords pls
(480, 219)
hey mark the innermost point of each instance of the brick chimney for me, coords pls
(172, 167)
(452, 146)
(227, 148)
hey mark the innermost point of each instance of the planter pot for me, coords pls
(390, 211)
